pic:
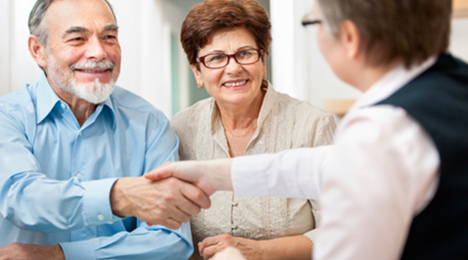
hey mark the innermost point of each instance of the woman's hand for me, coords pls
(249, 248)
(210, 176)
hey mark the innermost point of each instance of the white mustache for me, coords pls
(91, 65)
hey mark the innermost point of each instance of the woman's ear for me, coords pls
(197, 75)
(37, 50)
(350, 37)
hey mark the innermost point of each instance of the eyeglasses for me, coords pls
(309, 19)
(220, 60)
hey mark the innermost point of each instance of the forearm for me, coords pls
(294, 173)
(291, 247)
(40, 204)
(155, 242)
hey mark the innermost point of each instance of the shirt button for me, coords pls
(79, 176)
(63, 105)
(234, 227)
(80, 133)
(100, 217)
(235, 204)
(110, 222)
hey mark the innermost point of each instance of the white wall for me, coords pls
(5, 47)
(298, 67)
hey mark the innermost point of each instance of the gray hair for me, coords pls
(411, 30)
(36, 23)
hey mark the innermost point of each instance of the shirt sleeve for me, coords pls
(384, 172)
(144, 242)
(296, 173)
(48, 205)
(156, 242)
(324, 136)
(45, 204)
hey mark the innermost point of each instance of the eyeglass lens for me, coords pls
(244, 57)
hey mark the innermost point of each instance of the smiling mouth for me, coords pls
(235, 84)
(93, 71)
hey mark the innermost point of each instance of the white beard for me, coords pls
(94, 93)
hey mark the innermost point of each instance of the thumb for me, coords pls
(161, 172)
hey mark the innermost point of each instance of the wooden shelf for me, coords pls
(460, 8)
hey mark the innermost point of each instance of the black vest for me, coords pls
(438, 100)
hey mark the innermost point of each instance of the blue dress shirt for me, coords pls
(56, 177)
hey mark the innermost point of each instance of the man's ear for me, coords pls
(197, 75)
(350, 37)
(37, 50)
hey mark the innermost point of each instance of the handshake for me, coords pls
(172, 193)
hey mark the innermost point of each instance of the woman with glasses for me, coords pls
(226, 43)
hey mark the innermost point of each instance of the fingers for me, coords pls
(160, 172)
(178, 201)
(211, 245)
(197, 196)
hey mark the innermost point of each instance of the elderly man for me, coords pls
(395, 184)
(73, 150)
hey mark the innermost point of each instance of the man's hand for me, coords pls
(211, 246)
(18, 251)
(168, 202)
(209, 176)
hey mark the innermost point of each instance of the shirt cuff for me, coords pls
(96, 202)
(248, 177)
(78, 250)
(312, 235)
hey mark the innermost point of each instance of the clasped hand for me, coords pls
(168, 202)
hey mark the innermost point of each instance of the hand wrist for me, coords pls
(117, 200)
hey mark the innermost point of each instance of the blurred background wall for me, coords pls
(154, 64)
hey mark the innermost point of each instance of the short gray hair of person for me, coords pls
(410, 30)
(37, 25)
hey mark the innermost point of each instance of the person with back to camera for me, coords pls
(395, 183)
(73, 149)
(226, 43)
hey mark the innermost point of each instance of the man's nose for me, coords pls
(95, 50)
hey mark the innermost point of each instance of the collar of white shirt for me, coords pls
(390, 83)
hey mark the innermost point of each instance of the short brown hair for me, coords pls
(411, 30)
(212, 16)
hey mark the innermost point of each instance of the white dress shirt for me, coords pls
(381, 172)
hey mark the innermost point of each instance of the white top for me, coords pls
(382, 171)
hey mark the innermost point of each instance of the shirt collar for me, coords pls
(390, 83)
(47, 99)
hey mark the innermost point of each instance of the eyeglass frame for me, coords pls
(306, 21)
(229, 56)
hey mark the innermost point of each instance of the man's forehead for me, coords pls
(71, 10)
(82, 15)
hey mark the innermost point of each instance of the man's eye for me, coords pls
(77, 39)
(111, 37)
